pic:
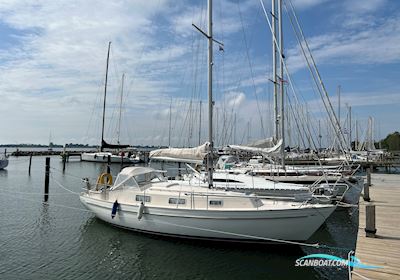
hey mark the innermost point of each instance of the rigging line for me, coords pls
(295, 119)
(280, 54)
(308, 113)
(300, 113)
(251, 69)
(335, 122)
(95, 106)
(283, 61)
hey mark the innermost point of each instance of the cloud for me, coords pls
(53, 54)
(373, 44)
(235, 99)
(363, 6)
(305, 4)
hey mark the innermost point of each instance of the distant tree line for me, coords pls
(391, 142)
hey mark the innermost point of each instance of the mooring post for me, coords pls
(64, 160)
(122, 161)
(370, 228)
(30, 164)
(179, 170)
(109, 164)
(46, 179)
(366, 193)
(367, 185)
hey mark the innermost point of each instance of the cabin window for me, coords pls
(174, 200)
(144, 198)
(215, 202)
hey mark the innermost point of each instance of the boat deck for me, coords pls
(384, 250)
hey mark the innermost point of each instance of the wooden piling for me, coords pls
(370, 228)
(46, 179)
(366, 193)
(64, 160)
(369, 169)
(30, 164)
(122, 161)
(367, 185)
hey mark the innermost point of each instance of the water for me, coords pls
(61, 240)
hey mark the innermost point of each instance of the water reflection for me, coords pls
(3, 172)
(129, 254)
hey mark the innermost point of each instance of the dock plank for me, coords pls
(384, 250)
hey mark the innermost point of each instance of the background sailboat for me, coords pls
(103, 156)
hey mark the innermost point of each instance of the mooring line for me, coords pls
(69, 174)
(14, 192)
(61, 186)
(359, 275)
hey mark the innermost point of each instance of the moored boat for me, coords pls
(142, 199)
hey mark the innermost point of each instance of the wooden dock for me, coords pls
(384, 249)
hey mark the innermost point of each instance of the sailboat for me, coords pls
(103, 156)
(142, 199)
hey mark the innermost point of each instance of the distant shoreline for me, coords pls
(46, 146)
(68, 146)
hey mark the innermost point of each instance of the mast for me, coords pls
(274, 74)
(169, 126)
(105, 97)
(200, 124)
(282, 118)
(248, 132)
(319, 136)
(369, 133)
(356, 141)
(210, 38)
(340, 129)
(350, 128)
(210, 97)
(234, 130)
(120, 107)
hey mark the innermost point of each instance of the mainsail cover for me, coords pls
(105, 145)
(190, 155)
(256, 149)
(262, 143)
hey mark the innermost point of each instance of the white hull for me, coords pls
(248, 226)
(103, 157)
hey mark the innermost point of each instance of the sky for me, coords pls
(53, 61)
